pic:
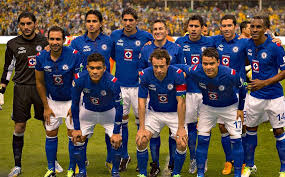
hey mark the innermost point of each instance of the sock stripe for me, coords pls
(251, 132)
(225, 134)
(18, 134)
(280, 137)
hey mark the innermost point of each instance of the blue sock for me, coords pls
(202, 152)
(142, 157)
(125, 137)
(116, 159)
(226, 142)
(243, 140)
(172, 148)
(251, 143)
(192, 139)
(109, 148)
(51, 150)
(85, 150)
(178, 161)
(79, 151)
(237, 153)
(280, 145)
(72, 161)
(154, 146)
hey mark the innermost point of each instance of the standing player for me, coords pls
(101, 104)
(266, 95)
(126, 46)
(218, 85)
(160, 33)
(245, 29)
(166, 88)
(54, 74)
(21, 54)
(193, 45)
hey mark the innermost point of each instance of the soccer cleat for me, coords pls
(206, 166)
(248, 171)
(170, 168)
(70, 173)
(50, 173)
(137, 169)
(16, 171)
(141, 175)
(200, 175)
(243, 165)
(176, 175)
(81, 175)
(228, 168)
(86, 163)
(109, 166)
(155, 170)
(58, 168)
(76, 169)
(116, 175)
(193, 166)
(124, 164)
(282, 174)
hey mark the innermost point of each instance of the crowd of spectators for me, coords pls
(70, 14)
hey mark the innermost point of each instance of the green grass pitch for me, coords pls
(34, 161)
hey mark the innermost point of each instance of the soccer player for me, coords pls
(218, 85)
(266, 95)
(160, 32)
(245, 29)
(54, 75)
(126, 46)
(193, 45)
(166, 88)
(205, 30)
(21, 55)
(101, 104)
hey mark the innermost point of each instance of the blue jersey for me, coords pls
(193, 54)
(59, 74)
(125, 51)
(162, 93)
(265, 61)
(86, 46)
(97, 97)
(221, 90)
(175, 52)
(233, 53)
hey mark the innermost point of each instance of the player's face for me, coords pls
(96, 70)
(205, 31)
(159, 31)
(228, 28)
(55, 41)
(129, 23)
(247, 30)
(257, 29)
(159, 68)
(27, 26)
(194, 29)
(210, 66)
(92, 23)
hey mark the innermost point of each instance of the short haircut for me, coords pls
(160, 54)
(95, 57)
(196, 17)
(205, 24)
(27, 14)
(264, 19)
(130, 11)
(160, 21)
(57, 28)
(210, 52)
(229, 17)
(94, 12)
(243, 25)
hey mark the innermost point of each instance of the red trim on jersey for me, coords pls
(141, 73)
(76, 76)
(38, 53)
(233, 72)
(181, 87)
(75, 51)
(179, 71)
(114, 79)
(194, 67)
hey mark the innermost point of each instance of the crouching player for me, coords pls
(101, 104)
(54, 75)
(166, 87)
(218, 85)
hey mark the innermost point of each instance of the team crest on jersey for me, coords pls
(65, 67)
(263, 55)
(221, 47)
(86, 48)
(249, 52)
(202, 85)
(221, 88)
(104, 47)
(186, 48)
(213, 95)
(120, 42)
(195, 59)
(255, 66)
(162, 98)
(22, 50)
(170, 86)
(152, 87)
(203, 48)
(94, 100)
(47, 68)
(39, 48)
(86, 90)
(57, 79)
(225, 60)
(128, 54)
(103, 92)
(32, 61)
(235, 49)
(138, 43)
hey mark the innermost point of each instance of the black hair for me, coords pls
(27, 14)
(210, 52)
(229, 17)
(160, 54)
(95, 57)
(130, 11)
(57, 28)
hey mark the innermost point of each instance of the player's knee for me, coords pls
(52, 133)
(181, 146)
(69, 132)
(278, 131)
(141, 145)
(20, 128)
(253, 129)
(243, 129)
(125, 117)
(223, 128)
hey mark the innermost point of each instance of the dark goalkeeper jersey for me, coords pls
(21, 55)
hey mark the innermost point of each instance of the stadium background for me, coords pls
(70, 15)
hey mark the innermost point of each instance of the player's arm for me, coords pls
(180, 57)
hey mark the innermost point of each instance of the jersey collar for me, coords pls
(86, 38)
(131, 36)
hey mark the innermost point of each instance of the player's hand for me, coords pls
(240, 115)
(141, 137)
(277, 41)
(47, 48)
(116, 140)
(256, 84)
(76, 136)
(47, 114)
(69, 114)
(181, 136)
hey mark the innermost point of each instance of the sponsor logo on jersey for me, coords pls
(94, 100)
(103, 92)
(195, 59)
(202, 85)
(86, 90)
(48, 69)
(104, 47)
(39, 48)
(249, 52)
(163, 98)
(213, 95)
(255, 66)
(221, 88)
(65, 67)
(138, 43)
(170, 86)
(186, 48)
(22, 50)
(57, 79)
(221, 47)
(235, 49)
(152, 87)
(128, 54)
(120, 42)
(225, 60)
(32, 61)
(86, 48)
(263, 55)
